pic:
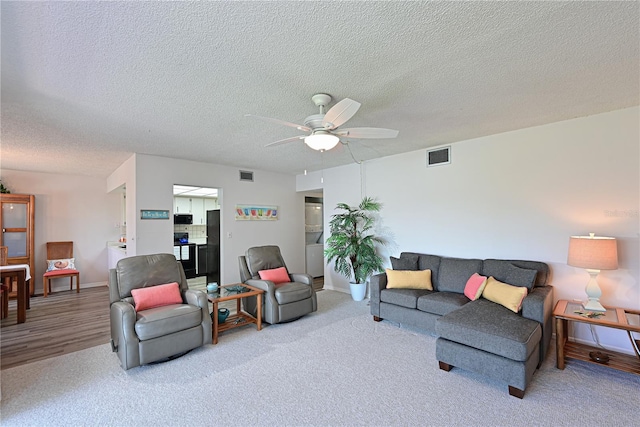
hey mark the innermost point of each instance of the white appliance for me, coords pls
(313, 217)
(315, 260)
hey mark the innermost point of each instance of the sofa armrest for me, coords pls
(538, 306)
(377, 283)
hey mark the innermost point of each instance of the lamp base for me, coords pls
(594, 305)
(593, 292)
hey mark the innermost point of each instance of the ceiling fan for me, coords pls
(324, 128)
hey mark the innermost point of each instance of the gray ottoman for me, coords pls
(489, 339)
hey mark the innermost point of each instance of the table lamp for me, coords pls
(594, 254)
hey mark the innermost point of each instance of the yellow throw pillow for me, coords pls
(504, 294)
(409, 279)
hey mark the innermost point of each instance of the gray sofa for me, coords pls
(479, 336)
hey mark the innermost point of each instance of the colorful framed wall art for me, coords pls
(256, 213)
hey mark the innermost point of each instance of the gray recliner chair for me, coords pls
(157, 333)
(282, 302)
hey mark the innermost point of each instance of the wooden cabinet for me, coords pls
(17, 219)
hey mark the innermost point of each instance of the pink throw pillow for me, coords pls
(156, 296)
(474, 287)
(276, 275)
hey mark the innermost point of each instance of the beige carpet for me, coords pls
(335, 367)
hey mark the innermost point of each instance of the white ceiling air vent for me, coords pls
(439, 156)
(246, 176)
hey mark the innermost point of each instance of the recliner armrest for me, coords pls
(266, 285)
(197, 298)
(303, 278)
(123, 335)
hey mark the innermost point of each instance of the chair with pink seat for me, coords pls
(60, 264)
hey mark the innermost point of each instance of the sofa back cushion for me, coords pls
(517, 272)
(455, 272)
(407, 261)
(430, 262)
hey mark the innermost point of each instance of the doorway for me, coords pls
(314, 237)
(196, 233)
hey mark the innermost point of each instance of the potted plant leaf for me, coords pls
(352, 244)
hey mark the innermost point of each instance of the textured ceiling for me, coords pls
(86, 84)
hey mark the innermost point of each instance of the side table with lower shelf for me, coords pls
(617, 318)
(240, 318)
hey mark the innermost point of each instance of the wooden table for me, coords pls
(614, 317)
(19, 274)
(240, 318)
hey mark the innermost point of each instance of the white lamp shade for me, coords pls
(321, 141)
(593, 252)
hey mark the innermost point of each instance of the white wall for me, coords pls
(517, 195)
(70, 207)
(154, 179)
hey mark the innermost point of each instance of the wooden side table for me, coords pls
(240, 318)
(614, 317)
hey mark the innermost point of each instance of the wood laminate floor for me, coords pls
(62, 323)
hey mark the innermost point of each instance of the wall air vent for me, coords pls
(439, 156)
(246, 176)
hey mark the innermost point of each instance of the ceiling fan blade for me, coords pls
(280, 122)
(340, 113)
(284, 141)
(367, 133)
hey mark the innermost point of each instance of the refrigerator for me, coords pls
(213, 247)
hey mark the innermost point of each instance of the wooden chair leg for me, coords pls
(71, 283)
(4, 304)
(78, 284)
(45, 285)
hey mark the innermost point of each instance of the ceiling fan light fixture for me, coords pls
(321, 141)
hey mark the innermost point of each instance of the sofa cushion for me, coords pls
(524, 277)
(474, 287)
(430, 262)
(504, 294)
(504, 271)
(161, 321)
(405, 279)
(406, 261)
(441, 303)
(403, 297)
(454, 273)
(490, 327)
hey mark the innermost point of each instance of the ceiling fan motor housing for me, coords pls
(314, 121)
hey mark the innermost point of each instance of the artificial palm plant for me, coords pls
(352, 243)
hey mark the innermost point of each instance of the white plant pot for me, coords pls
(358, 291)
